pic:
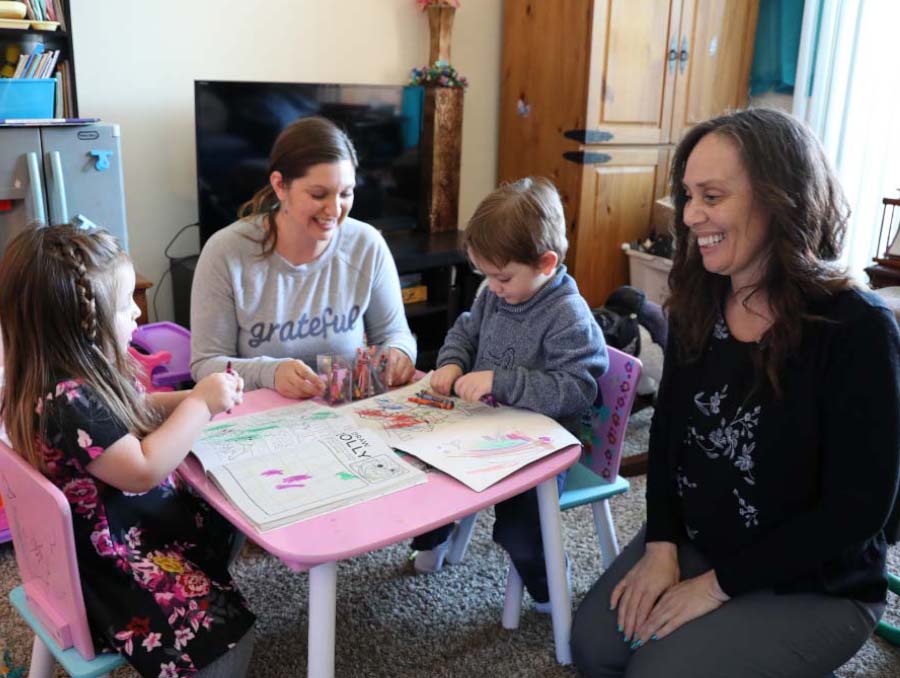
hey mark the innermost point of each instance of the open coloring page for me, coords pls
(475, 443)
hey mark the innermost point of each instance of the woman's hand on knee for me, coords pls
(635, 595)
(682, 603)
(295, 379)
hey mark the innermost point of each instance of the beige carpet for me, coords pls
(392, 624)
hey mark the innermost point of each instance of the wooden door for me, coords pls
(715, 53)
(632, 71)
(619, 185)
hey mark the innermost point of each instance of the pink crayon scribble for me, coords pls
(392, 420)
(297, 479)
(272, 472)
(286, 486)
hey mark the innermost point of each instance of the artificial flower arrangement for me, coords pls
(440, 74)
(424, 4)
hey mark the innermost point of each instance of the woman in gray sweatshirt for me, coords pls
(295, 277)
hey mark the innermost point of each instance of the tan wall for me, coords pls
(127, 74)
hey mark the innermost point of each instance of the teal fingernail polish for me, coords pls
(636, 644)
(619, 628)
(653, 637)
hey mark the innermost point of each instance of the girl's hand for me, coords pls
(472, 386)
(683, 602)
(636, 594)
(443, 378)
(400, 368)
(220, 391)
(295, 379)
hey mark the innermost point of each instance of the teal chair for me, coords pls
(593, 480)
(887, 631)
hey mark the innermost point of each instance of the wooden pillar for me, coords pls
(441, 151)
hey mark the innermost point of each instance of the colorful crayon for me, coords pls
(431, 403)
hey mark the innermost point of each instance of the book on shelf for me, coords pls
(292, 463)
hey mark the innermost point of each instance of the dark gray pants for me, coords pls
(757, 634)
(232, 664)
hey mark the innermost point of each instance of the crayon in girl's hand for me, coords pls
(431, 403)
(228, 370)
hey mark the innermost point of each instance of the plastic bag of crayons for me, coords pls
(335, 371)
(370, 372)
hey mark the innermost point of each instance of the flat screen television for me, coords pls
(237, 122)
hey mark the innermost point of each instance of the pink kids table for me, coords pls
(319, 543)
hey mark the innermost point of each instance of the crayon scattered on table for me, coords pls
(431, 403)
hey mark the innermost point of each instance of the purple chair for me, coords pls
(174, 339)
(593, 480)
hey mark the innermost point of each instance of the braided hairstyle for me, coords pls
(57, 317)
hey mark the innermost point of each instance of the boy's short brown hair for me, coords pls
(518, 222)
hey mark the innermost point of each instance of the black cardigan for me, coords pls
(823, 459)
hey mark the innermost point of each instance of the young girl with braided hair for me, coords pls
(152, 557)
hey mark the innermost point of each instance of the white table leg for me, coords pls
(42, 662)
(322, 598)
(554, 557)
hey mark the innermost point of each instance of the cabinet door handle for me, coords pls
(673, 54)
(683, 56)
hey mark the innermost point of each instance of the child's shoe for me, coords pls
(544, 608)
(432, 560)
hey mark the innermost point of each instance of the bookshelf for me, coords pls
(60, 39)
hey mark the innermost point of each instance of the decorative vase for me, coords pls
(440, 26)
(441, 151)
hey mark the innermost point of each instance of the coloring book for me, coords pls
(475, 443)
(287, 464)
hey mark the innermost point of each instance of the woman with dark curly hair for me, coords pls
(774, 447)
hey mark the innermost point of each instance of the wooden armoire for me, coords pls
(594, 95)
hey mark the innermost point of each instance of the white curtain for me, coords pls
(848, 90)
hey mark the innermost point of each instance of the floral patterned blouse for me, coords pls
(793, 492)
(154, 565)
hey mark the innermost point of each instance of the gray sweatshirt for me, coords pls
(258, 311)
(546, 353)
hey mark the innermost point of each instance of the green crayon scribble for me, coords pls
(343, 475)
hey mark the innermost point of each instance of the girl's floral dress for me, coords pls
(153, 566)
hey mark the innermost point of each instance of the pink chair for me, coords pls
(593, 480)
(49, 599)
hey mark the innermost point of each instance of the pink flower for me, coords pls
(423, 4)
(82, 494)
(152, 641)
(103, 543)
(168, 670)
(182, 637)
(193, 584)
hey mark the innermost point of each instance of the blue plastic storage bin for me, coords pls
(28, 98)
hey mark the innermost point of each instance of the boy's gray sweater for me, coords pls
(546, 353)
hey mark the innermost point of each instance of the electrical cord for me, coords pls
(168, 270)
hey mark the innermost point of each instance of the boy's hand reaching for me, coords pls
(474, 385)
(220, 391)
(443, 378)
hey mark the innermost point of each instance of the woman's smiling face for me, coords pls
(730, 229)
